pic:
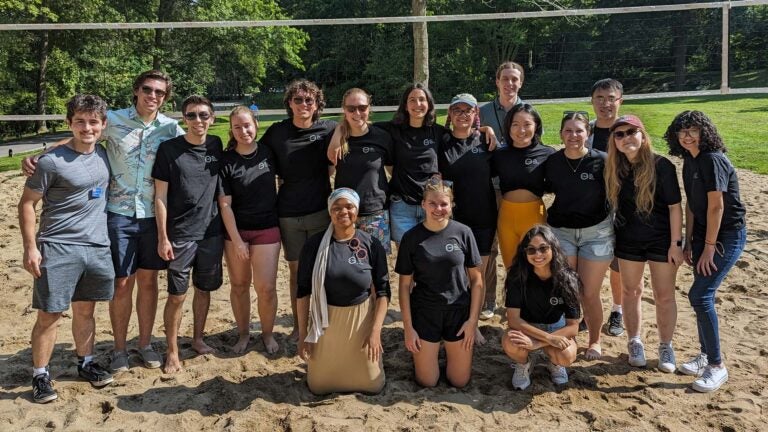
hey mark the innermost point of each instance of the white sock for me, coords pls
(39, 371)
(616, 308)
(87, 359)
(635, 339)
(665, 344)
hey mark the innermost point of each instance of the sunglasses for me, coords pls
(303, 100)
(356, 108)
(357, 248)
(530, 250)
(575, 113)
(191, 116)
(437, 181)
(147, 90)
(621, 134)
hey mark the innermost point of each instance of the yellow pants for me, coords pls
(515, 219)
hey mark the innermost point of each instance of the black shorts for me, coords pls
(434, 325)
(484, 239)
(202, 258)
(646, 251)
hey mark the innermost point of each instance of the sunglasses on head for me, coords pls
(626, 133)
(531, 250)
(356, 108)
(197, 115)
(437, 181)
(357, 248)
(147, 90)
(575, 113)
(298, 100)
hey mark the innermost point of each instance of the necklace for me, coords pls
(251, 155)
(581, 159)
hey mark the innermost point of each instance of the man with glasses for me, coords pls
(133, 135)
(299, 144)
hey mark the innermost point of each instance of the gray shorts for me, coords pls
(594, 243)
(71, 273)
(295, 231)
(201, 258)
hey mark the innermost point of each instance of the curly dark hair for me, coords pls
(401, 116)
(709, 138)
(309, 87)
(565, 281)
(528, 108)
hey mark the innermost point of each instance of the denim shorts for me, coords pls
(377, 225)
(550, 328)
(594, 243)
(403, 217)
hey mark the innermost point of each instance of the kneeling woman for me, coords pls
(339, 323)
(440, 255)
(542, 307)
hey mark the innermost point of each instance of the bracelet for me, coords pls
(709, 243)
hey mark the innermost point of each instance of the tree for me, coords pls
(420, 43)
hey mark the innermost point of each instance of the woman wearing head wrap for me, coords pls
(339, 323)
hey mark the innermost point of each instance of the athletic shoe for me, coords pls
(522, 377)
(582, 326)
(636, 351)
(42, 389)
(557, 374)
(711, 379)
(95, 374)
(150, 357)
(119, 362)
(694, 366)
(615, 325)
(666, 358)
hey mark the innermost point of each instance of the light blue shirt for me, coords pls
(131, 149)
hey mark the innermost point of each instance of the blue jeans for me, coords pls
(702, 293)
(403, 217)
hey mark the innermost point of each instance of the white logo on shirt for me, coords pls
(554, 301)
(263, 164)
(477, 150)
(587, 176)
(313, 138)
(530, 161)
(367, 150)
(352, 260)
(429, 142)
(209, 159)
(450, 247)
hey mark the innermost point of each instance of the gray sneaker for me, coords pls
(636, 352)
(521, 379)
(150, 357)
(666, 358)
(119, 362)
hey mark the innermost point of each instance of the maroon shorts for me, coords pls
(258, 237)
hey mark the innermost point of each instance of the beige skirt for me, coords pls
(339, 362)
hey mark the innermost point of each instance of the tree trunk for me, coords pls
(164, 9)
(680, 47)
(41, 84)
(420, 43)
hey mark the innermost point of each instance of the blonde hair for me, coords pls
(240, 109)
(437, 184)
(618, 167)
(343, 124)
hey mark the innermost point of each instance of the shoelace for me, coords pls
(636, 349)
(666, 355)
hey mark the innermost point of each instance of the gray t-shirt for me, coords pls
(74, 188)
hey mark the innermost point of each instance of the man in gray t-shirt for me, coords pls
(69, 257)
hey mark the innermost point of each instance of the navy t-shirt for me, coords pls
(348, 277)
(250, 181)
(521, 168)
(438, 261)
(579, 189)
(708, 172)
(631, 226)
(192, 174)
(537, 301)
(302, 164)
(362, 169)
(467, 163)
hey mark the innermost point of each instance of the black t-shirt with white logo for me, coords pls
(467, 163)
(521, 168)
(438, 261)
(709, 172)
(631, 226)
(302, 165)
(192, 174)
(250, 181)
(350, 273)
(579, 189)
(362, 169)
(537, 301)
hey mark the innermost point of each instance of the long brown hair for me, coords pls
(343, 124)
(618, 167)
(240, 109)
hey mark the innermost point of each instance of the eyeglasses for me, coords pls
(575, 113)
(693, 133)
(191, 116)
(437, 181)
(355, 108)
(530, 250)
(461, 112)
(619, 135)
(298, 100)
(611, 99)
(357, 248)
(147, 90)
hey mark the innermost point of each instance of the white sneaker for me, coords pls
(486, 314)
(521, 379)
(666, 358)
(636, 351)
(557, 374)
(711, 379)
(694, 366)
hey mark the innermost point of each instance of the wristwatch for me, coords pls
(679, 243)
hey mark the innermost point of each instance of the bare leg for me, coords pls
(120, 308)
(632, 283)
(239, 295)
(663, 282)
(200, 304)
(425, 364)
(458, 364)
(293, 266)
(591, 274)
(83, 327)
(516, 353)
(44, 337)
(146, 304)
(564, 357)
(264, 259)
(172, 321)
(479, 338)
(616, 289)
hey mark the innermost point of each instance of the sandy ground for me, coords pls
(255, 391)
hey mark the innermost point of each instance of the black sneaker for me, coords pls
(42, 389)
(582, 326)
(95, 374)
(615, 325)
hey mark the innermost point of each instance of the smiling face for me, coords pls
(343, 213)
(303, 106)
(522, 129)
(542, 253)
(606, 103)
(356, 110)
(574, 134)
(417, 106)
(150, 96)
(689, 139)
(243, 128)
(508, 84)
(462, 115)
(198, 118)
(629, 139)
(86, 127)
(437, 205)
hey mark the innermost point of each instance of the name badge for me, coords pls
(96, 192)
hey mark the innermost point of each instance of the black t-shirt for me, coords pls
(362, 169)
(302, 165)
(600, 138)
(521, 168)
(348, 278)
(631, 226)
(537, 302)
(192, 174)
(708, 172)
(579, 189)
(415, 158)
(250, 181)
(438, 261)
(467, 163)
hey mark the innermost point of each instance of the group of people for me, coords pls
(158, 197)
